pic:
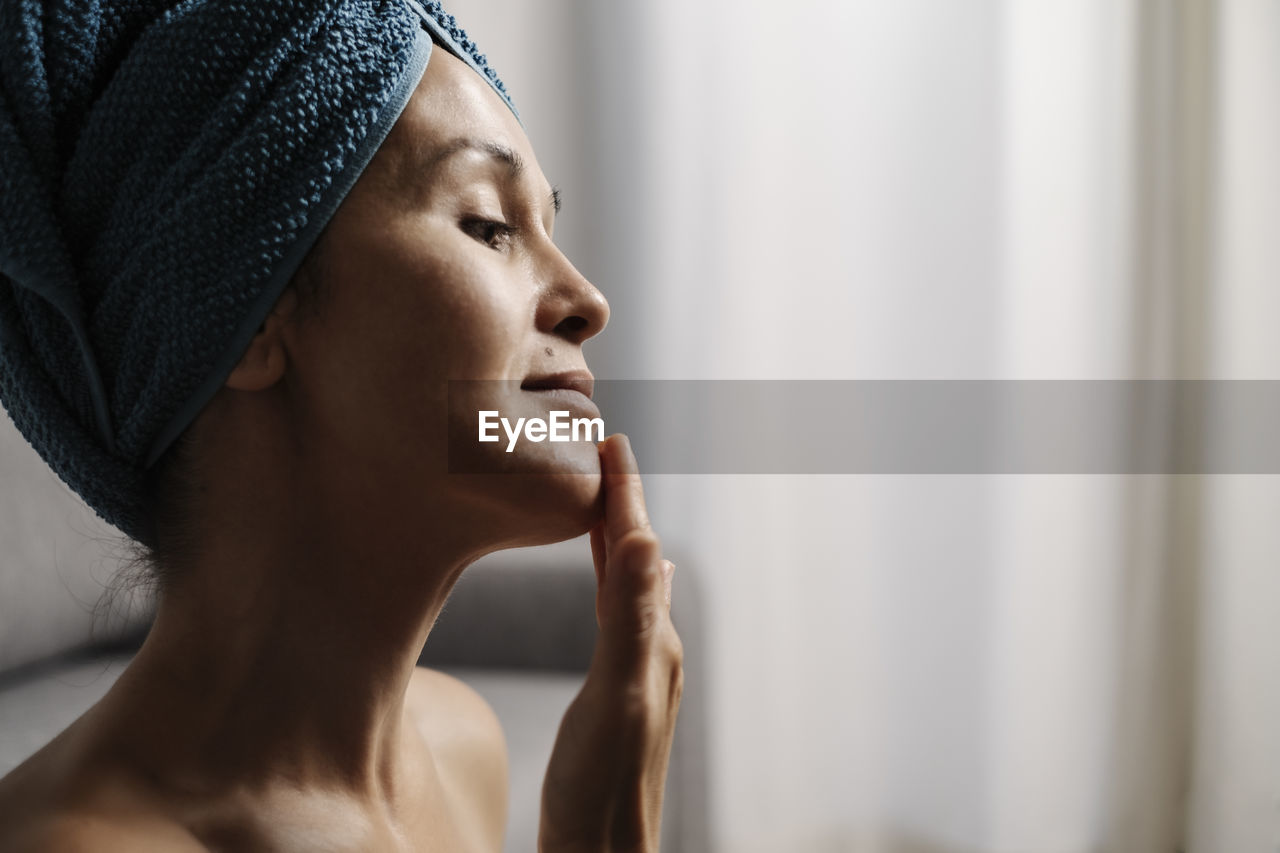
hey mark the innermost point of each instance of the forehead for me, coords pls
(451, 101)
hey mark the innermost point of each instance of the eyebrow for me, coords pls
(495, 150)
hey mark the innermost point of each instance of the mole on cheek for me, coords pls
(549, 352)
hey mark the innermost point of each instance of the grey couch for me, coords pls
(519, 627)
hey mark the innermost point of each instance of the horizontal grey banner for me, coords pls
(895, 426)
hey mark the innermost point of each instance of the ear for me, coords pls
(264, 360)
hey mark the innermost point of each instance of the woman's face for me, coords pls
(439, 265)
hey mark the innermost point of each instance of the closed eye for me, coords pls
(494, 234)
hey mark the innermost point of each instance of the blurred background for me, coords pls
(928, 189)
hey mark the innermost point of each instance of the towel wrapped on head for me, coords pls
(165, 165)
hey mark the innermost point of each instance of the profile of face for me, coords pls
(439, 265)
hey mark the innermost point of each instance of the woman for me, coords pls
(276, 430)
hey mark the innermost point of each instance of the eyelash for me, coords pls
(489, 230)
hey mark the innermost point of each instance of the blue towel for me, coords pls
(164, 168)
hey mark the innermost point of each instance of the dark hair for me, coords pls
(172, 484)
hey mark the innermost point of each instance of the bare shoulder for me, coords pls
(71, 832)
(459, 724)
(451, 710)
(468, 743)
(53, 801)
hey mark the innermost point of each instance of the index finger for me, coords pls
(624, 508)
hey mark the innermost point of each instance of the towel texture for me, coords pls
(164, 167)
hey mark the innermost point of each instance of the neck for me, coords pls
(284, 648)
(287, 663)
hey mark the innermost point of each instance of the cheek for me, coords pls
(481, 326)
(410, 310)
(448, 317)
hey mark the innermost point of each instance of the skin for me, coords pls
(276, 704)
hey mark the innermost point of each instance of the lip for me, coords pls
(569, 397)
(580, 381)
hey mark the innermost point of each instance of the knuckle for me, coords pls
(676, 691)
(637, 702)
(675, 646)
(649, 693)
(648, 619)
(672, 651)
(640, 540)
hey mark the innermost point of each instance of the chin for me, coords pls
(568, 513)
(545, 494)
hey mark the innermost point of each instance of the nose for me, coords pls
(571, 306)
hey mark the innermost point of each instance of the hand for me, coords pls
(603, 789)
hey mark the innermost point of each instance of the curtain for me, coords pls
(993, 189)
